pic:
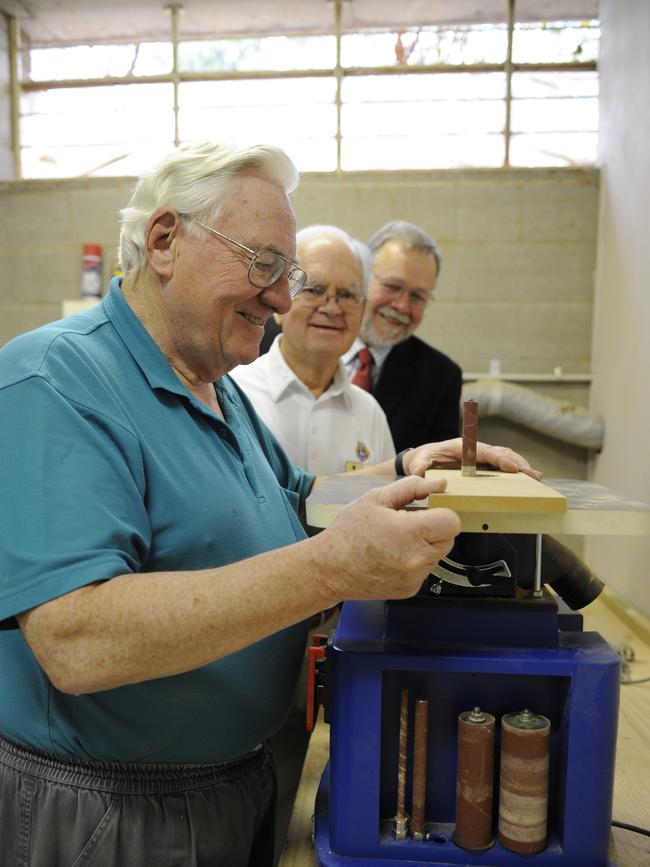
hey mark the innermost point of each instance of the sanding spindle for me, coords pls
(523, 796)
(474, 780)
(400, 822)
(419, 792)
(470, 430)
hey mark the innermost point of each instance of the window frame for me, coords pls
(177, 77)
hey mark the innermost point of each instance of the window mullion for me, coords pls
(508, 70)
(14, 46)
(338, 11)
(173, 15)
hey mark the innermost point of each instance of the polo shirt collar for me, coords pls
(143, 348)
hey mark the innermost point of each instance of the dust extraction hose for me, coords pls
(554, 418)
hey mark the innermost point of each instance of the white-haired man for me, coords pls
(417, 386)
(299, 388)
(155, 578)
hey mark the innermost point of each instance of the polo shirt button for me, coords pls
(222, 433)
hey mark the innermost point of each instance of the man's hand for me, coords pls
(446, 455)
(375, 549)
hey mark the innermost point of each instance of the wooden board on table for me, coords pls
(592, 509)
(491, 491)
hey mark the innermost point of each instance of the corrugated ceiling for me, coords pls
(65, 22)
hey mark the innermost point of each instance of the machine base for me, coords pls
(440, 850)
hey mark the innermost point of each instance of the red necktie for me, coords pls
(363, 373)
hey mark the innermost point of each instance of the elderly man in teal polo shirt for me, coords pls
(155, 579)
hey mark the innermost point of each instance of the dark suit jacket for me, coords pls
(271, 331)
(419, 390)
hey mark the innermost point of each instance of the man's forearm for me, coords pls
(149, 625)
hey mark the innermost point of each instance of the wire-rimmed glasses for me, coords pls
(349, 300)
(418, 298)
(266, 267)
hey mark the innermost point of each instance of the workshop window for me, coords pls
(517, 91)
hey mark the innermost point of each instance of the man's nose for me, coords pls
(401, 301)
(278, 295)
(330, 303)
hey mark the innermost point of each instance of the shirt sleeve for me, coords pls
(72, 509)
(385, 448)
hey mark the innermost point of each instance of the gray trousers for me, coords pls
(60, 812)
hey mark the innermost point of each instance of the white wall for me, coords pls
(621, 340)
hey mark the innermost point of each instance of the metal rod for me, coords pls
(508, 71)
(537, 586)
(174, 10)
(338, 71)
(400, 822)
(14, 83)
(420, 768)
(229, 75)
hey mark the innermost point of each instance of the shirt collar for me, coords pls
(281, 377)
(379, 353)
(143, 348)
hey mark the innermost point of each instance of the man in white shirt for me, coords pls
(300, 388)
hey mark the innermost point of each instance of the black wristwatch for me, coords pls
(399, 461)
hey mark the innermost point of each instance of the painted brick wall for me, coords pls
(516, 284)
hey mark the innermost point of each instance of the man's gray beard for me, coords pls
(371, 338)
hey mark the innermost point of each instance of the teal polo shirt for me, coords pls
(109, 465)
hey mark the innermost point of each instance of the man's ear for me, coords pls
(162, 232)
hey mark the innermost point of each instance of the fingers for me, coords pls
(399, 494)
(505, 459)
(448, 453)
(438, 527)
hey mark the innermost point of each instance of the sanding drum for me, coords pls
(474, 780)
(523, 795)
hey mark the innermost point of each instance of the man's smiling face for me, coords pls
(401, 286)
(215, 316)
(325, 332)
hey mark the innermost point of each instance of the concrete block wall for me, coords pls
(519, 250)
(516, 283)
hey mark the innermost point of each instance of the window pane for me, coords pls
(271, 53)
(554, 115)
(429, 152)
(70, 132)
(485, 43)
(422, 121)
(298, 115)
(557, 103)
(541, 85)
(98, 61)
(553, 149)
(556, 42)
(422, 118)
(424, 87)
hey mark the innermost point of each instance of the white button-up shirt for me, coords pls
(321, 434)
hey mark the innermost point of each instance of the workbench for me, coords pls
(623, 628)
